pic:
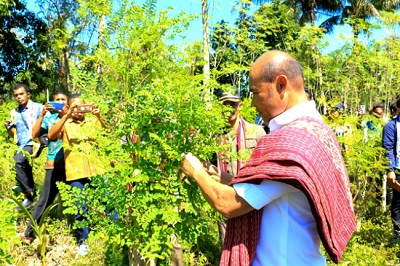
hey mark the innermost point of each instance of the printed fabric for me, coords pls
(55, 153)
(24, 120)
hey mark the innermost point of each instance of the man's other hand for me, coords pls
(191, 164)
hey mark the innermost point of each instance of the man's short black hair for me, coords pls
(398, 102)
(307, 90)
(61, 92)
(74, 96)
(378, 105)
(20, 85)
(393, 107)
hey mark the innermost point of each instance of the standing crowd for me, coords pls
(281, 186)
(69, 139)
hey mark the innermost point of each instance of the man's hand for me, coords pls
(213, 171)
(391, 180)
(64, 111)
(95, 110)
(391, 175)
(71, 110)
(191, 164)
(221, 197)
(7, 123)
(46, 108)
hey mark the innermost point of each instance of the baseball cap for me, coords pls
(339, 106)
(232, 95)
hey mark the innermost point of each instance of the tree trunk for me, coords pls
(206, 42)
(136, 259)
(100, 46)
(101, 41)
(66, 69)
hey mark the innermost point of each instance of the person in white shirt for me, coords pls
(294, 191)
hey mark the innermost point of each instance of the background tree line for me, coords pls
(121, 56)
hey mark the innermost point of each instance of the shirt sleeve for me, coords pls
(260, 195)
(45, 123)
(38, 110)
(389, 141)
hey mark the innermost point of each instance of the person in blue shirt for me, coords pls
(390, 141)
(19, 127)
(55, 165)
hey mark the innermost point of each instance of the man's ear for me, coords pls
(282, 83)
(240, 105)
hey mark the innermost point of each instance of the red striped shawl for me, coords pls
(306, 155)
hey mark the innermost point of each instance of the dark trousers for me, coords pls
(395, 211)
(81, 233)
(24, 171)
(47, 196)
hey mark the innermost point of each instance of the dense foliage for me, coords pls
(153, 96)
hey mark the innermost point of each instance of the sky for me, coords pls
(224, 10)
(218, 10)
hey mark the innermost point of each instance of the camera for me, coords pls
(362, 109)
(83, 108)
(57, 106)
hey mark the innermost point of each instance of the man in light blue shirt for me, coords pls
(20, 127)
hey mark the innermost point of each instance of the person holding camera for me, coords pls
(55, 166)
(19, 127)
(78, 131)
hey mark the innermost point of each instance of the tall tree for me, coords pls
(4, 7)
(70, 34)
(23, 49)
(206, 41)
(305, 10)
(358, 11)
(273, 26)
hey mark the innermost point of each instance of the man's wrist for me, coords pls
(10, 126)
(200, 173)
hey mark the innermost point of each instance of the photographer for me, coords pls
(55, 166)
(77, 133)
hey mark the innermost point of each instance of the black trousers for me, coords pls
(395, 211)
(47, 195)
(24, 171)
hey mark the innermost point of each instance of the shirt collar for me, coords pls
(304, 109)
(28, 106)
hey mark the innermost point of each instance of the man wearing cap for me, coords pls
(242, 137)
(339, 125)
